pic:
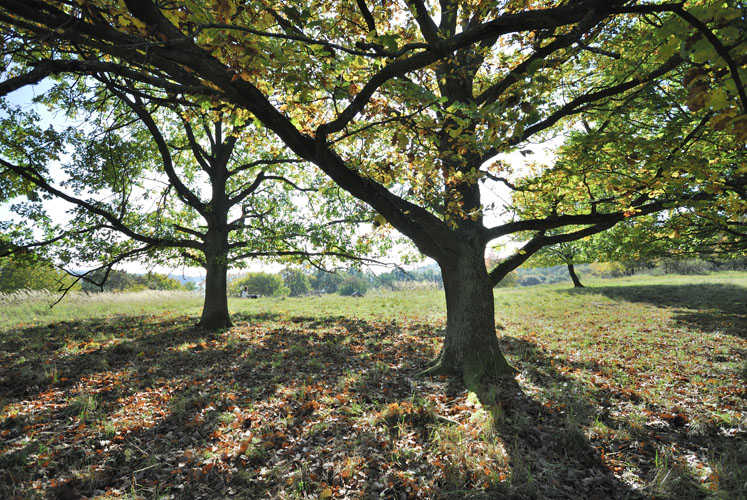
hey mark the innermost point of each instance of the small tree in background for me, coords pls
(296, 281)
(353, 283)
(18, 274)
(324, 281)
(266, 284)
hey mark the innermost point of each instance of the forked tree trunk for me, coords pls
(471, 347)
(215, 308)
(574, 277)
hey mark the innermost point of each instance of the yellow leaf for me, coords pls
(138, 23)
(326, 493)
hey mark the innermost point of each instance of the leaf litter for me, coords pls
(284, 406)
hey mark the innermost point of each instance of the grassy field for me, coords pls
(629, 388)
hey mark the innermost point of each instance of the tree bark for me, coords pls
(215, 314)
(574, 277)
(471, 346)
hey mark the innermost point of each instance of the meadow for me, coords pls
(629, 388)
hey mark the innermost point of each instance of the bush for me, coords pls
(296, 281)
(607, 269)
(20, 275)
(261, 283)
(352, 284)
(122, 281)
(531, 280)
(677, 266)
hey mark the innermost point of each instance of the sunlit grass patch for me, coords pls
(32, 307)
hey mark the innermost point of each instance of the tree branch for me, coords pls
(108, 266)
(248, 190)
(427, 27)
(182, 190)
(720, 49)
(539, 241)
(367, 16)
(573, 106)
(257, 163)
(116, 223)
(24, 248)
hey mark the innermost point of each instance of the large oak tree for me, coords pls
(406, 104)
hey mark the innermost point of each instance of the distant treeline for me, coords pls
(296, 282)
(41, 275)
(557, 274)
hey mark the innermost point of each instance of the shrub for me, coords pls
(352, 284)
(261, 283)
(607, 269)
(296, 281)
(531, 280)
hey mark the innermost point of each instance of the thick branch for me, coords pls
(548, 223)
(539, 241)
(367, 16)
(43, 69)
(427, 27)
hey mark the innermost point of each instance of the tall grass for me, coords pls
(28, 307)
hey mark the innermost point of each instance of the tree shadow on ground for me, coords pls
(708, 307)
(169, 408)
(283, 408)
(578, 441)
(550, 455)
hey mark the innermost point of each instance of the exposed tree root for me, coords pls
(213, 324)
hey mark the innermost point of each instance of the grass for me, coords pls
(34, 308)
(630, 388)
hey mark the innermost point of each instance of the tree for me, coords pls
(246, 211)
(325, 282)
(261, 283)
(353, 283)
(565, 253)
(296, 281)
(17, 274)
(406, 106)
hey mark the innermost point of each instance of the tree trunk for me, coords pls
(574, 278)
(215, 308)
(471, 347)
